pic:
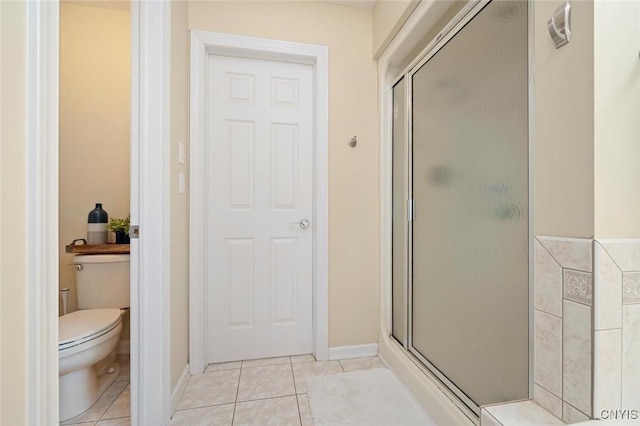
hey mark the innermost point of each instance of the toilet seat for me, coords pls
(83, 326)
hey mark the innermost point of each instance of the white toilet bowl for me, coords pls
(86, 354)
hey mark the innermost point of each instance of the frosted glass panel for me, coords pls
(470, 237)
(400, 196)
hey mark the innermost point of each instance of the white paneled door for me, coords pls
(259, 208)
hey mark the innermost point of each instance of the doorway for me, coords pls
(260, 186)
(270, 165)
(149, 332)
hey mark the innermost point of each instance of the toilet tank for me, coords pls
(102, 280)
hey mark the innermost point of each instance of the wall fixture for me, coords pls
(560, 25)
(353, 142)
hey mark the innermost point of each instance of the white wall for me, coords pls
(179, 202)
(616, 95)
(13, 272)
(95, 73)
(353, 173)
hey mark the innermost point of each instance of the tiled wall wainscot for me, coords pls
(563, 309)
(616, 326)
(586, 333)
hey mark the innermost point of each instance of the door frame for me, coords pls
(150, 50)
(204, 43)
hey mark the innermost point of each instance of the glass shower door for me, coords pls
(469, 300)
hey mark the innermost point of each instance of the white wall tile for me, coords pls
(607, 365)
(625, 253)
(577, 286)
(547, 400)
(572, 415)
(631, 287)
(576, 365)
(548, 352)
(631, 357)
(548, 282)
(607, 290)
(572, 253)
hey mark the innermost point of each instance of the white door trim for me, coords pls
(205, 43)
(150, 209)
(150, 29)
(42, 211)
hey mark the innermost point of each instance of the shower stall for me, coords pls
(460, 200)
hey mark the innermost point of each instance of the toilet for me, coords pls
(88, 337)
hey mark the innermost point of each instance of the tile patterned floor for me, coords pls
(113, 407)
(259, 392)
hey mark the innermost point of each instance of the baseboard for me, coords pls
(124, 347)
(179, 389)
(354, 351)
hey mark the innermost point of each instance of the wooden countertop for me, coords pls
(98, 249)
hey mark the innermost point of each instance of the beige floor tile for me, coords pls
(121, 407)
(125, 367)
(268, 412)
(222, 366)
(123, 421)
(361, 363)
(302, 358)
(84, 424)
(266, 382)
(303, 370)
(305, 410)
(217, 415)
(216, 388)
(266, 361)
(96, 411)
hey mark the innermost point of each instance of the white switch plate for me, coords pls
(181, 184)
(181, 153)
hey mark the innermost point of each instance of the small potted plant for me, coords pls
(121, 228)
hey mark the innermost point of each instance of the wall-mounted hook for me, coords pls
(560, 25)
(353, 142)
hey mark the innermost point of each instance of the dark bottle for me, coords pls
(97, 226)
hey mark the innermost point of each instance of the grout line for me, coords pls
(114, 400)
(549, 252)
(293, 377)
(604, 249)
(552, 393)
(299, 413)
(342, 366)
(550, 314)
(267, 398)
(235, 402)
(205, 406)
(295, 391)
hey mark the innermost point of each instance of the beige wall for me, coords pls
(617, 119)
(13, 273)
(563, 129)
(353, 173)
(179, 250)
(388, 18)
(94, 122)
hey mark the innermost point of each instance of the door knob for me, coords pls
(304, 223)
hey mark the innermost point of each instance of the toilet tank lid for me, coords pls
(101, 258)
(80, 324)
